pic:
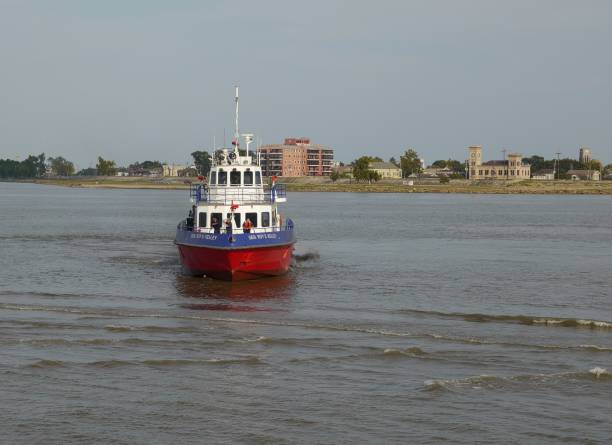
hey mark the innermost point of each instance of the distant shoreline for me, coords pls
(529, 187)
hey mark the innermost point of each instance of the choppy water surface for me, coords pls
(406, 319)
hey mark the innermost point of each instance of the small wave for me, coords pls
(400, 352)
(495, 382)
(518, 319)
(571, 323)
(224, 307)
(46, 364)
(117, 328)
(176, 362)
(595, 348)
(308, 256)
(599, 372)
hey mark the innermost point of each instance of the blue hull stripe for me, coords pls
(239, 240)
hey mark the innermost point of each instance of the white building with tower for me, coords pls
(507, 169)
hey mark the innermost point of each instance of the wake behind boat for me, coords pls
(234, 230)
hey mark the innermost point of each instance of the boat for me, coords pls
(234, 230)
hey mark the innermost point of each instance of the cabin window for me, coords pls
(257, 178)
(236, 218)
(216, 219)
(202, 219)
(248, 177)
(252, 217)
(234, 177)
(222, 177)
(213, 178)
(265, 219)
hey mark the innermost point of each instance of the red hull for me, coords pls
(236, 264)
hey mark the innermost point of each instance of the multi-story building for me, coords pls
(511, 168)
(296, 157)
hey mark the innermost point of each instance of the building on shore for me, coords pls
(511, 168)
(544, 175)
(584, 175)
(386, 170)
(585, 155)
(344, 170)
(296, 157)
(172, 169)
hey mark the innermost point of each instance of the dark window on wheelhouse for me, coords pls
(257, 178)
(265, 219)
(216, 219)
(252, 217)
(222, 177)
(235, 177)
(236, 218)
(213, 178)
(248, 177)
(202, 219)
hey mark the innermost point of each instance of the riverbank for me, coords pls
(326, 185)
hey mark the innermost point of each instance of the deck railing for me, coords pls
(235, 194)
(188, 224)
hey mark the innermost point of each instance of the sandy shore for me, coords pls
(326, 185)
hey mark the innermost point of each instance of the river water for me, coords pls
(407, 318)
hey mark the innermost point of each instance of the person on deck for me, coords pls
(216, 225)
(228, 225)
(247, 225)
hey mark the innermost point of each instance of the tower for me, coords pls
(585, 155)
(475, 158)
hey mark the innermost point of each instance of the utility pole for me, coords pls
(558, 171)
(506, 167)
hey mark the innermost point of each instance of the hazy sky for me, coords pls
(149, 79)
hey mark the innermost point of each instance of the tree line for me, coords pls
(409, 163)
(41, 166)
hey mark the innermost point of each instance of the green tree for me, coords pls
(202, 161)
(61, 166)
(455, 166)
(41, 165)
(88, 172)
(334, 175)
(439, 164)
(105, 167)
(361, 169)
(393, 161)
(410, 163)
(373, 176)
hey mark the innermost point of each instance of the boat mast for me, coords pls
(236, 134)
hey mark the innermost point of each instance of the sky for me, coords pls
(132, 80)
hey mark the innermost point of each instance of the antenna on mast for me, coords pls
(236, 134)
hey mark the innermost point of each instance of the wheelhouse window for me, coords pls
(213, 178)
(257, 178)
(252, 217)
(222, 177)
(236, 219)
(248, 177)
(265, 219)
(216, 220)
(202, 219)
(235, 177)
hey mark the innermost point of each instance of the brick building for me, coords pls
(296, 157)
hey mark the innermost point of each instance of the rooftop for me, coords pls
(383, 165)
